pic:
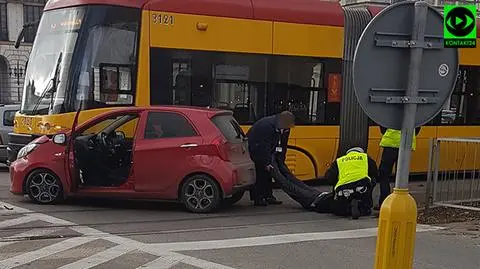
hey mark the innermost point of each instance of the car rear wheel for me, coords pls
(235, 198)
(200, 194)
(44, 187)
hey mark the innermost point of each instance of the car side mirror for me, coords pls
(60, 139)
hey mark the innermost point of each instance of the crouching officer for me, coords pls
(353, 177)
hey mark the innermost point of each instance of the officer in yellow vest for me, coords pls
(390, 143)
(353, 176)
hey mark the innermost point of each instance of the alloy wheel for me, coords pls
(44, 187)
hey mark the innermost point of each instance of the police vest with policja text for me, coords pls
(391, 139)
(352, 167)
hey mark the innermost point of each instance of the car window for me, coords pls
(128, 125)
(96, 128)
(229, 127)
(167, 125)
(8, 117)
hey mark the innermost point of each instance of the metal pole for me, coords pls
(436, 167)
(398, 214)
(410, 109)
(428, 195)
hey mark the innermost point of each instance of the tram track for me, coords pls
(151, 232)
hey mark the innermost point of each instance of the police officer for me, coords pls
(353, 177)
(266, 137)
(390, 143)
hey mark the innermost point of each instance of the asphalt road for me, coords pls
(132, 234)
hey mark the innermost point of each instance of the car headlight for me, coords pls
(26, 150)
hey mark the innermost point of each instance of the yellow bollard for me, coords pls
(396, 231)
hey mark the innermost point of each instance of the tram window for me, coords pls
(239, 85)
(116, 84)
(299, 86)
(463, 107)
(230, 81)
(107, 74)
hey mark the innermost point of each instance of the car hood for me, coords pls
(41, 140)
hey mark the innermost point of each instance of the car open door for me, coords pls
(72, 170)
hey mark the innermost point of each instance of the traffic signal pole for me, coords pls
(398, 214)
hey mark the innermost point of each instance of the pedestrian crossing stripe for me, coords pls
(163, 260)
(166, 254)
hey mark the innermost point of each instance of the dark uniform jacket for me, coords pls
(264, 137)
(332, 173)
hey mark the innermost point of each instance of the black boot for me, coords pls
(322, 196)
(355, 209)
(273, 201)
(260, 202)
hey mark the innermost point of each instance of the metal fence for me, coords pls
(453, 177)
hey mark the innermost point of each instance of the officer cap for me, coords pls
(357, 149)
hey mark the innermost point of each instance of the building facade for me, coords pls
(13, 15)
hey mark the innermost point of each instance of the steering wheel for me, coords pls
(106, 141)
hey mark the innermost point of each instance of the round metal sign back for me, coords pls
(381, 64)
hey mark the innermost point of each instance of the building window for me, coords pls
(3, 22)
(36, 2)
(32, 12)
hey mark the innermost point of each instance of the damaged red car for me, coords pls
(197, 156)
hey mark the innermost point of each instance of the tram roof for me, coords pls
(319, 12)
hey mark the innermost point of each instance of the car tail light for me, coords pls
(222, 148)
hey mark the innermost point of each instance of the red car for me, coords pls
(197, 156)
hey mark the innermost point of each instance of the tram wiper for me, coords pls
(50, 89)
(22, 32)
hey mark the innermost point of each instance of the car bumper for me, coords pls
(3, 154)
(244, 176)
(18, 173)
(236, 189)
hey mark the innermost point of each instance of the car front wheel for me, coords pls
(201, 194)
(44, 187)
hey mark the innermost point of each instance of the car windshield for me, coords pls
(53, 50)
(82, 56)
(108, 58)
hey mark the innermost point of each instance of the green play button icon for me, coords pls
(458, 21)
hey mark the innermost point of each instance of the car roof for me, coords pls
(211, 112)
